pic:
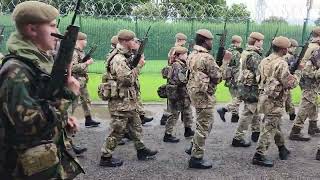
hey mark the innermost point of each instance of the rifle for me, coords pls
(222, 42)
(295, 65)
(88, 56)
(137, 56)
(1, 34)
(270, 48)
(63, 58)
(190, 47)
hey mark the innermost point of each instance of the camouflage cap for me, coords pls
(294, 43)
(181, 36)
(30, 12)
(205, 33)
(81, 36)
(114, 40)
(236, 38)
(125, 34)
(256, 35)
(281, 42)
(316, 31)
(180, 50)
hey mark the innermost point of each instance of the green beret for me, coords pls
(205, 33)
(125, 34)
(236, 38)
(257, 35)
(180, 50)
(81, 36)
(281, 42)
(181, 36)
(31, 12)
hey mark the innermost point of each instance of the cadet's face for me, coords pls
(82, 43)
(258, 43)
(183, 56)
(182, 42)
(292, 49)
(41, 35)
(209, 43)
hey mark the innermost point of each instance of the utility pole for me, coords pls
(305, 24)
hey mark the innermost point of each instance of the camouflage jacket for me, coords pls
(29, 124)
(311, 48)
(275, 82)
(79, 69)
(205, 75)
(247, 80)
(1, 56)
(231, 70)
(121, 80)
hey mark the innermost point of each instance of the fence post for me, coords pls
(80, 23)
(247, 29)
(136, 25)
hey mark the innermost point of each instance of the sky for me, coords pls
(294, 11)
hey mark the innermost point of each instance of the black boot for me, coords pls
(292, 116)
(255, 136)
(145, 119)
(318, 155)
(164, 119)
(261, 160)
(110, 162)
(222, 111)
(283, 152)
(234, 118)
(189, 149)
(91, 123)
(296, 134)
(240, 143)
(188, 132)
(199, 163)
(146, 154)
(121, 142)
(127, 136)
(78, 149)
(313, 128)
(169, 138)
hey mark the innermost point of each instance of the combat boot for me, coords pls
(313, 128)
(222, 111)
(292, 116)
(110, 162)
(146, 154)
(91, 123)
(121, 142)
(255, 136)
(296, 134)
(145, 119)
(318, 155)
(189, 149)
(199, 163)
(188, 132)
(283, 152)
(164, 119)
(78, 149)
(240, 143)
(127, 136)
(261, 160)
(234, 118)
(169, 138)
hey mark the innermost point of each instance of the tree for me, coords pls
(275, 19)
(238, 11)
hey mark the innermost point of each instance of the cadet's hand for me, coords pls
(227, 56)
(72, 83)
(72, 124)
(142, 61)
(89, 61)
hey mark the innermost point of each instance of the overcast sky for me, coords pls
(292, 10)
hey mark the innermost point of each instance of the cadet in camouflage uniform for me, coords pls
(291, 57)
(80, 71)
(248, 90)
(230, 75)
(181, 40)
(119, 89)
(32, 129)
(179, 100)
(275, 82)
(309, 84)
(205, 75)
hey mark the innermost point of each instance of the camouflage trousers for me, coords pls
(120, 120)
(233, 107)
(85, 101)
(289, 105)
(205, 118)
(141, 112)
(186, 116)
(270, 130)
(248, 116)
(308, 108)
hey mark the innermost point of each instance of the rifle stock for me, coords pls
(135, 60)
(270, 48)
(1, 34)
(301, 55)
(90, 53)
(221, 49)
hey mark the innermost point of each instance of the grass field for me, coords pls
(151, 79)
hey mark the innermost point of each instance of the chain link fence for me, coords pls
(101, 19)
